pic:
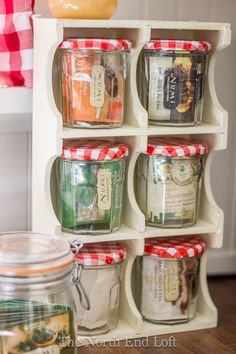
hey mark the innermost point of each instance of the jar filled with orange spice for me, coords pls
(94, 73)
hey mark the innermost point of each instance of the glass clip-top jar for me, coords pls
(91, 181)
(169, 276)
(102, 263)
(169, 181)
(94, 73)
(173, 75)
(37, 310)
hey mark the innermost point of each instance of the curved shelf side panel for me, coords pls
(132, 215)
(209, 210)
(205, 303)
(136, 114)
(128, 310)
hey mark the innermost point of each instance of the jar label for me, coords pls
(171, 193)
(175, 87)
(162, 300)
(104, 189)
(182, 172)
(97, 87)
(156, 108)
(53, 349)
(35, 328)
(171, 281)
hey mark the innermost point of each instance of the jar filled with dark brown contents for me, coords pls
(173, 75)
(170, 278)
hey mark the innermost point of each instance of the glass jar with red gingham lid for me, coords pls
(90, 184)
(173, 75)
(101, 263)
(169, 276)
(94, 72)
(169, 181)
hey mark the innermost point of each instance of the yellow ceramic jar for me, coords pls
(83, 9)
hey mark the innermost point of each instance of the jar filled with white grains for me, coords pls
(101, 263)
(170, 279)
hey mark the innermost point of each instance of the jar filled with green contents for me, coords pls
(91, 179)
(37, 313)
(169, 181)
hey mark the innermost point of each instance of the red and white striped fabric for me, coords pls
(190, 46)
(96, 44)
(99, 254)
(16, 43)
(175, 247)
(94, 151)
(176, 147)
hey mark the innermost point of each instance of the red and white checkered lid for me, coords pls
(175, 247)
(190, 46)
(94, 151)
(96, 44)
(99, 254)
(176, 147)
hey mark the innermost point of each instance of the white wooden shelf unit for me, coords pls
(49, 134)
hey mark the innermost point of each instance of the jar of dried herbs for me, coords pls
(94, 73)
(169, 181)
(170, 279)
(36, 303)
(102, 265)
(173, 75)
(91, 179)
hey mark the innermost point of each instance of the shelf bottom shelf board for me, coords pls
(201, 227)
(125, 332)
(126, 233)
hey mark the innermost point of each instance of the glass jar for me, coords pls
(83, 9)
(170, 279)
(94, 75)
(37, 310)
(169, 181)
(101, 274)
(173, 75)
(91, 182)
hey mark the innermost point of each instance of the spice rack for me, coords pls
(49, 134)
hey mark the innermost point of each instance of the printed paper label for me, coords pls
(97, 87)
(54, 349)
(171, 281)
(161, 295)
(156, 108)
(172, 192)
(104, 188)
(33, 332)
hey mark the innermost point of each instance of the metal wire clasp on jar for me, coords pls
(169, 181)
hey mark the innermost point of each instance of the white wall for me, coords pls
(14, 197)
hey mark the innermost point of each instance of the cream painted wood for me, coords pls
(223, 175)
(48, 134)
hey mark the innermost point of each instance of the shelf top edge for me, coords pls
(162, 24)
